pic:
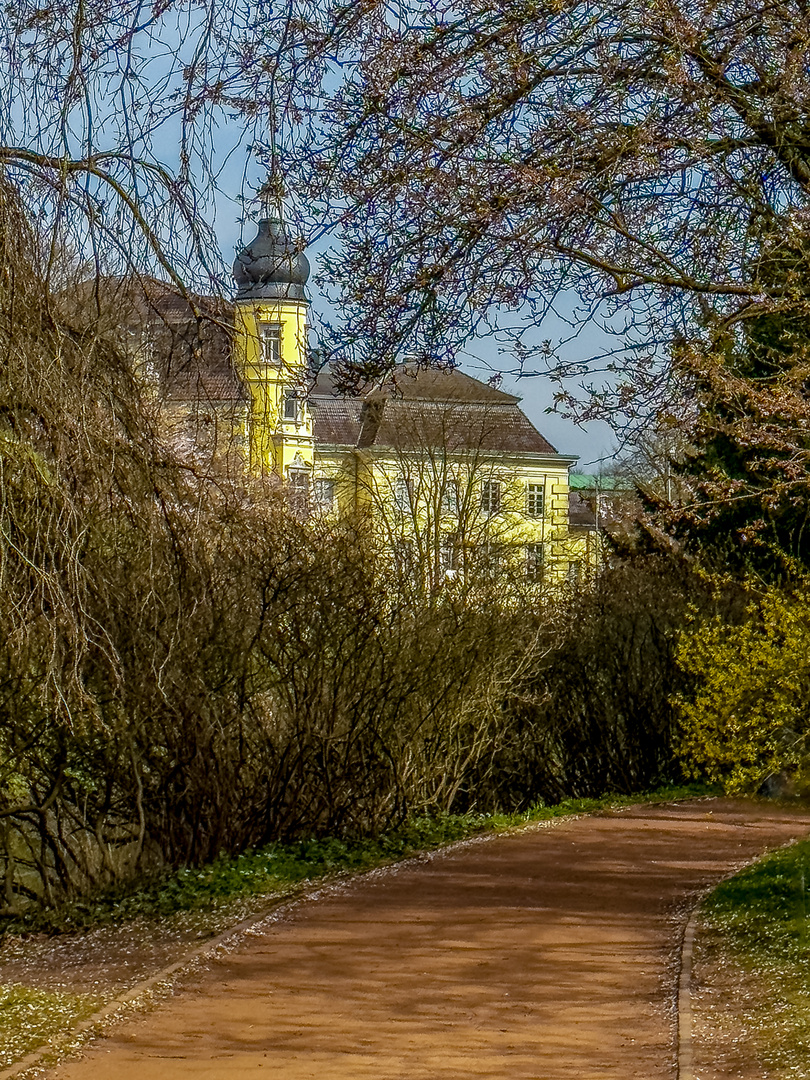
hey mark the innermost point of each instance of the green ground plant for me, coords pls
(276, 869)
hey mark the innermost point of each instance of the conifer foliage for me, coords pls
(745, 503)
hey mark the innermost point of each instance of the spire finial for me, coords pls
(271, 195)
(271, 266)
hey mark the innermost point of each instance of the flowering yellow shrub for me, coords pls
(747, 717)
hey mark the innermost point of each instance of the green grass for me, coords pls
(760, 919)
(278, 869)
(764, 909)
(29, 1018)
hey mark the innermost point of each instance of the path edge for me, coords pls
(686, 1062)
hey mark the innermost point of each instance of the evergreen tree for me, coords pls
(747, 469)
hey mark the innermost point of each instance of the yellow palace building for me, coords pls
(448, 471)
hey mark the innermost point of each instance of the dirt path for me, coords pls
(544, 955)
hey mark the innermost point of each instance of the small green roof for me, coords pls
(589, 482)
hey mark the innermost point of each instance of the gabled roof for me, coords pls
(190, 336)
(419, 408)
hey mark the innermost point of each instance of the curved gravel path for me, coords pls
(547, 954)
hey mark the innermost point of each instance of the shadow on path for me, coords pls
(548, 954)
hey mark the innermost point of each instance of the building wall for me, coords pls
(438, 509)
(277, 444)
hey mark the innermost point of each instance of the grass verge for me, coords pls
(758, 922)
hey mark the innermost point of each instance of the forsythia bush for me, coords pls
(747, 717)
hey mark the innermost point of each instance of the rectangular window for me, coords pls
(325, 493)
(534, 500)
(290, 410)
(449, 555)
(492, 559)
(491, 497)
(404, 556)
(450, 497)
(535, 561)
(271, 343)
(298, 492)
(403, 493)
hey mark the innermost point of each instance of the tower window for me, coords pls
(534, 500)
(491, 497)
(271, 343)
(290, 407)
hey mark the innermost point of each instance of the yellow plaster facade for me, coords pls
(269, 356)
(451, 512)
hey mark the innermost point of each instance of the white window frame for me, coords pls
(270, 334)
(491, 497)
(325, 493)
(451, 496)
(290, 395)
(535, 500)
(299, 490)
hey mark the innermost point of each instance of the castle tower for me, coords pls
(270, 351)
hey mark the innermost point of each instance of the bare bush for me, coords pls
(596, 713)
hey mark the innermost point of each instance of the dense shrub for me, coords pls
(595, 714)
(744, 717)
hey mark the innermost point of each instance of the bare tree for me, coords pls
(117, 120)
(643, 155)
(449, 510)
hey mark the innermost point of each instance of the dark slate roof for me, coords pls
(441, 384)
(580, 513)
(336, 420)
(419, 408)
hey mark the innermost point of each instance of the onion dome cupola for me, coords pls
(270, 267)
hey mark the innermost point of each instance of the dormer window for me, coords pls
(271, 343)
